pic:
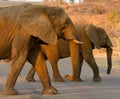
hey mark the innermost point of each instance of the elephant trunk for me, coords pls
(109, 59)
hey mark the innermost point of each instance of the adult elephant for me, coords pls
(92, 37)
(22, 29)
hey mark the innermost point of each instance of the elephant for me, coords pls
(92, 37)
(23, 28)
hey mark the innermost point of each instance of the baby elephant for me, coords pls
(92, 37)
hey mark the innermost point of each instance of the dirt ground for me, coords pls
(108, 88)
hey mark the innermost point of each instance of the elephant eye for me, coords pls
(63, 27)
(65, 24)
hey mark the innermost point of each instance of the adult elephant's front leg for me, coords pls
(77, 60)
(53, 55)
(56, 73)
(37, 60)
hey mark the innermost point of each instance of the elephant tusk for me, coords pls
(76, 41)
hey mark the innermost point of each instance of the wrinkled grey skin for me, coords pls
(23, 29)
(92, 37)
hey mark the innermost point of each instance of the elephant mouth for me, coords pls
(75, 40)
(61, 36)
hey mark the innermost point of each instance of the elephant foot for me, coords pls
(9, 92)
(30, 79)
(71, 78)
(59, 79)
(97, 79)
(49, 91)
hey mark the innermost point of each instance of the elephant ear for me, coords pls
(36, 22)
(93, 36)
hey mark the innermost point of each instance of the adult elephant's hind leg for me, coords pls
(76, 59)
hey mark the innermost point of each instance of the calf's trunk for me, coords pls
(109, 59)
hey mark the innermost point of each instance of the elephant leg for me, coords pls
(30, 75)
(76, 73)
(76, 62)
(18, 60)
(53, 59)
(91, 61)
(36, 58)
(56, 73)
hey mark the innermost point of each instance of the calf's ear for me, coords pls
(93, 35)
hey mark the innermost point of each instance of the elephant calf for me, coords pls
(91, 36)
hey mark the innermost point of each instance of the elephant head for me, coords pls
(47, 23)
(100, 39)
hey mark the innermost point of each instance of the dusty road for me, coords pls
(108, 88)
